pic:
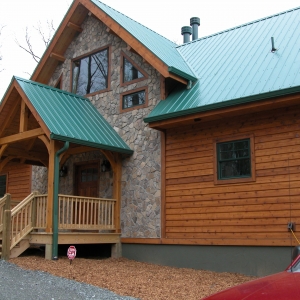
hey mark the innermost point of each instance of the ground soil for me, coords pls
(131, 278)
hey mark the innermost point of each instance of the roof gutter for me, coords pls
(62, 138)
(181, 74)
(223, 104)
(55, 200)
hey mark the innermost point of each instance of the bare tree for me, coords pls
(45, 32)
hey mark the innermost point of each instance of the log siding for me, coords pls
(200, 211)
(18, 180)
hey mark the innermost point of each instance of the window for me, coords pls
(130, 71)
(137, 98)
(90, 74)
(88, 175)
(234, 160)
(2, 185)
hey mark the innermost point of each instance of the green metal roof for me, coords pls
(161, 47)
(237, 66)
(72, 118)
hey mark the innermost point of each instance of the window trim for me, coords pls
(6, 182)
(59, 82)
(122, 83)
(252, 159)
(144, 88)
(108, 47)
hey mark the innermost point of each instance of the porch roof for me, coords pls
(71, 118)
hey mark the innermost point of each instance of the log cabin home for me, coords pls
(184, 155)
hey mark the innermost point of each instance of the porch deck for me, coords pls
(81, 220)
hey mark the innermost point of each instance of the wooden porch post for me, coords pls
(6, 235)
(49, 218)
(117, 190)
(116, 249)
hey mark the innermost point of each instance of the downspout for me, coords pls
(55, 201)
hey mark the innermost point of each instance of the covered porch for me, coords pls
(81, 220)
(44, 126)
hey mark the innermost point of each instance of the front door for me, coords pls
(87, 178)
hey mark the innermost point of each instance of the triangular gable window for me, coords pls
(131, 72)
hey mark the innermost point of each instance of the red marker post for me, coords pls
(71, 253)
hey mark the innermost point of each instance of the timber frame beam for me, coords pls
(57, 56)
(75, 27)
(21, 136)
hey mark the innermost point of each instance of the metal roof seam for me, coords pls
(214, 106)
(188, 64)
(69, 119)
(134, 21)
(49, 87)
(236, 27)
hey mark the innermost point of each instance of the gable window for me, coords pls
(137, 98)
(90, 73)
(130, 71)
(2, 185)
(234, 160)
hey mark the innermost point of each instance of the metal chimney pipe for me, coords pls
(195, 23)
(186, 31)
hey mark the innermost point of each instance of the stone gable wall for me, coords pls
(140, 207)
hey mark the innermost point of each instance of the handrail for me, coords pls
(75, 212)
(83, 197)
(86, 213)
(2, 208)
(21, 219)
(22, 204)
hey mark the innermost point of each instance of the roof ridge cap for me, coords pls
(174, 44)
(49, 87)
(239, 26)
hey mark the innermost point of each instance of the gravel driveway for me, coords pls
(19, 284)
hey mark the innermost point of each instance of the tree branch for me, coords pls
(29, 46)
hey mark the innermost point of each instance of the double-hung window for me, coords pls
(234, 160)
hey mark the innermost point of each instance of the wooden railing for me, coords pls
(22, 220)
(41, 211)
(4, 204)
(76, 212)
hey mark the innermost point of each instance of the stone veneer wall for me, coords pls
(66, 184)
(141, 176)
(39, 179)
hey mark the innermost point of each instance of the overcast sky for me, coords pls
(166, 17)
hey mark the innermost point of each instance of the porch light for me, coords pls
(105, 166)
(63, 171)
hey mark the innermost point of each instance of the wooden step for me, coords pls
(19, 248)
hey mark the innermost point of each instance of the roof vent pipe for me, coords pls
(186, 31)
(195, 23)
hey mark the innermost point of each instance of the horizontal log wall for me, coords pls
(198, 211)
(18, 180)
